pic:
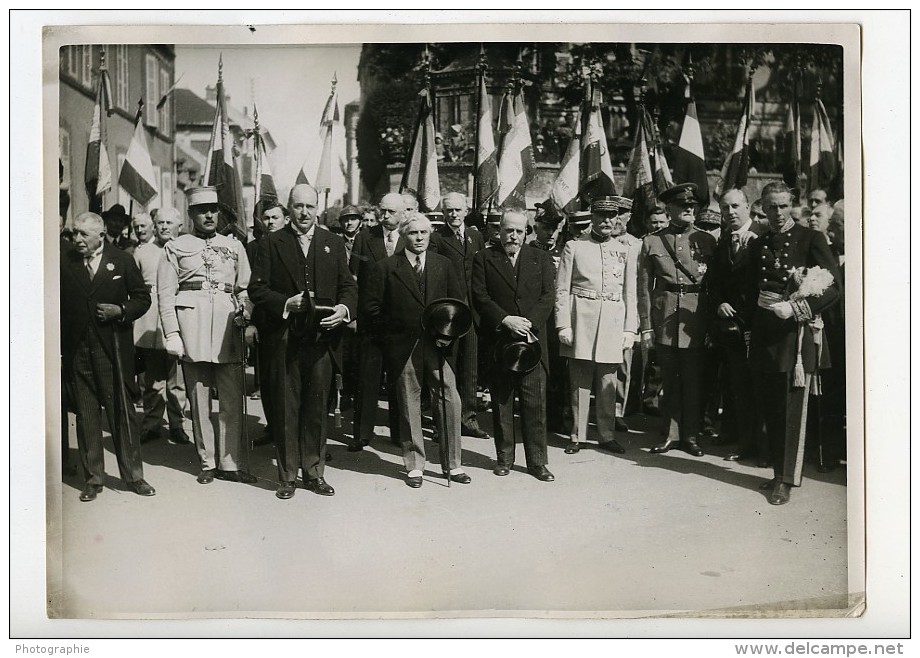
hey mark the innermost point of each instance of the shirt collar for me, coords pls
(744, 229)
(96, 254)
(411, 257)
(309, 234)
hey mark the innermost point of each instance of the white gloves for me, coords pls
(629, 339)
(566, 336)
(174, 345)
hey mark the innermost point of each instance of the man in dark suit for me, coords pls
(460, 243)
(727, 282)
(102, 294)
(302, 282)
(514, 290)
(372, 245)
(398, 289)
(788, 345)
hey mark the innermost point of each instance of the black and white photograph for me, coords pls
(418, 322)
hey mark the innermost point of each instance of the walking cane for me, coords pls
(442, 438)
(244, 408)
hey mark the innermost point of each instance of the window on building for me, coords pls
(86, 66)
(74, 55)
(152, 80)
(165, 111)
(121, 78)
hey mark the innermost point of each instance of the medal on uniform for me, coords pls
(776, 263)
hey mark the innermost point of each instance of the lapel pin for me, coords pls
(326, 248)
(109, 266)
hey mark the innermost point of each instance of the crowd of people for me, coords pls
(726, 324)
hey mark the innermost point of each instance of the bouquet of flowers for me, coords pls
(812, 282)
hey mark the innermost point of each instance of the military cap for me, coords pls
(709, 218)
(200, 196)
(611, 204)
(681, 195)
(436, 217)
(547, 214)
(494, 217)
(580, 219)
(350, 211)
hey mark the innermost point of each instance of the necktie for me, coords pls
(419, 274)
(736, 244)
(89, 268)
(304, 243)
(391, 243)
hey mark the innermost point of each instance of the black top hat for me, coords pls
(447, 319)
(116, 212)
(520, 355)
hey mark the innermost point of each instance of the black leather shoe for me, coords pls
(572, 448)
(541, 473)
(475, 432)
(768, 485)
(780, 495)
(90, 491)
(460, 478)
(285, 490)
(691, 447)
(358, 446)
(763, 463)
(319, 486)
(501, 469)
(620, 425)
(256, 395)
(237, 476)
(150, 435)
(141, 488)
(612, 446)
(663, 447)
(206, 476)
(414, 482)
(177, 436)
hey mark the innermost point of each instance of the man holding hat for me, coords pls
(398, 290)
(201, 287)
(459, 243)
(513, 291)
(301, 280)
(674, 313)
(596, 318)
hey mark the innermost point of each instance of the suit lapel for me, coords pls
(290, 254)
(406, 275)
(451, 239)
(504, 267)
(78, 267)
(105, 269)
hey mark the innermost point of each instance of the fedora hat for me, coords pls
(116, 212)
(520, 355)
(447, 318)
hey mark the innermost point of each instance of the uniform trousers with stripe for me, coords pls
(424, 368)
(682, 383)
(785, 409)
(162, 389)
(603, 376)
(220, 450)
(93, 389)
(530, 388)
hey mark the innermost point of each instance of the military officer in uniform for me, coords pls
(673, 314)
(788, 346)
(201, 287)
(596, 318)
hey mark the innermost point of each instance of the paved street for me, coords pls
(615, 533)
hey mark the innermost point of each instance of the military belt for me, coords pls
(206, 285)
(681, 288)
(588, 293)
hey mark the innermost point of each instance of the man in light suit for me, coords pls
(514, 291)
(302, 282)
(372, 245)
(201, 286)
(460, 243)
(162, 388)
(399, 288)
(596, 319)
(102, 293)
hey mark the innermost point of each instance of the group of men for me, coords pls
(431, 311)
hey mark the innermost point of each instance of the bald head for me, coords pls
(391, 210)
(302, 205)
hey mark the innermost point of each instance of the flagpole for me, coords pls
(103, 110)
(480, 81)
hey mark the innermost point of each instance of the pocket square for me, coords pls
(117, 276)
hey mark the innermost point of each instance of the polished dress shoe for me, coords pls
(459, 478)
(620, 425)
(691, 447)
(763, 463)
(237, 476)
(141, 488)
(572, 447)
(612, 446)
(206, 476)
(256, 395)
(414, 482)
(285, 490)
(319, 486)
(475, 432)
(90, 491)
(768, 485)
(150, 435)
(780, 495)
(501, 469)
(177, 436)
(358, 446)
(663, 447)
(541, 473)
